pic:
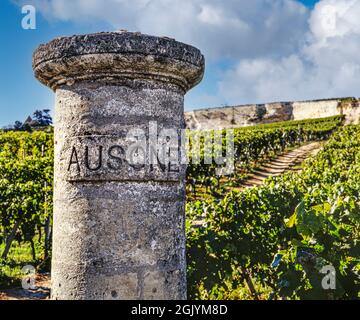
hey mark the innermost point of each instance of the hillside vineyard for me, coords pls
(266, 242)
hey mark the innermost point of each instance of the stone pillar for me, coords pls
(118, 226)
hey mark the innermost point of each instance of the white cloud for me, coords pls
(328, 65)
(278, 49)
(263, 80)
(221, 29)
(333, 18)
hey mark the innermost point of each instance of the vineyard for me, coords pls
(26, 177)
(265, 242)
(274, 240)
(253, 146)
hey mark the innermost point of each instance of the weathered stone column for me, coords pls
(118, 226)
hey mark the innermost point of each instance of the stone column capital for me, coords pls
(114, 56)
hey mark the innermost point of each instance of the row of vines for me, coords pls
(252, 147)
(26, 178)
(295, 237)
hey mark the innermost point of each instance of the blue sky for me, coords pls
(238, 60)
(20, 92)
(309, 3)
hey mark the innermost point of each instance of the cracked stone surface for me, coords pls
(118, 229)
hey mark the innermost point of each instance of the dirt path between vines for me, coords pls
(289, 161)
